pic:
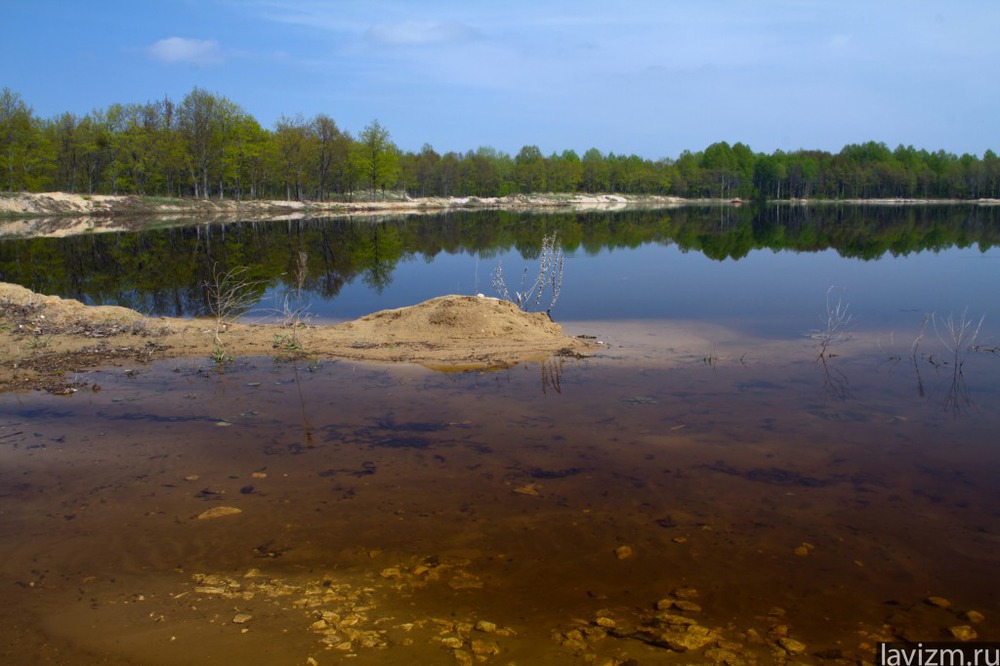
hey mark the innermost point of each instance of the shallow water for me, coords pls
(825, 501)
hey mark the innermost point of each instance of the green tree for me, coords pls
(595, 171)
(379, 158)
(565, 171)
(207, 124)
(291, 140)
(422, 172)
(344, 171)
(484, 172)
(689, 175)
(166, 146)
(991, 167)
(64, 139)
(128, 147)
(246, 157)
(720, 168)
(769, 175)
(451, 174)
(91, 137)
(18, 139)
(197, 119)
(529, 169)
(332, 148)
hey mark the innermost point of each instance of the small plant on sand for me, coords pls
(549, 278)
(837, 323)
(220, 355)
(40, 342)
(291, 308)
(229, 294)
(294, 306)
(286, 342)
(291, 304)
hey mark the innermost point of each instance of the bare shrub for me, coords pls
(958, 335)
(837, 324)
(548, 278)
(229, 294)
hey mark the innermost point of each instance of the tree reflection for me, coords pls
(380, 256)
(835, 382)
(958, 401)
(552, 370)
(958, 335)
(159, 271)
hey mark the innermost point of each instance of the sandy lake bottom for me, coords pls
(734, 505)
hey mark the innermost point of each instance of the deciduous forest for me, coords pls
(207, 146)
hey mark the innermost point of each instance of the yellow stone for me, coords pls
(963, 632)
(219, 512)
(972, 616)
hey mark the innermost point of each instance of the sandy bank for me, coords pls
(46, 339)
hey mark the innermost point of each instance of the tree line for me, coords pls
(207, 146)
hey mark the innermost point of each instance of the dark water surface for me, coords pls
(385, 511)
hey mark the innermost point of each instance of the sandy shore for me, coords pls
(47, 339)
(25, 205)
(56, 203)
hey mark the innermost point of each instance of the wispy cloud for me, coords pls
(181, 50)
(420, 32)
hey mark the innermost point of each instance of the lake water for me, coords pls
(707, 459)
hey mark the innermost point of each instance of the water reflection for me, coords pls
(346, 268)
(552, 375)
(835, 382)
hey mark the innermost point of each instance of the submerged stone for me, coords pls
(791, 646)
(963, 632)
(972, 616)
(694, 637)
(219, 512)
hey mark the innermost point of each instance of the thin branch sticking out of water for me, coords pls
(837, 323)
(550, 272)
(958, 335)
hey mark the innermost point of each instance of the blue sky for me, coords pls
(646, 77)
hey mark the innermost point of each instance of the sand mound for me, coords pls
(47, 337)
(458, 331)
(457, 318)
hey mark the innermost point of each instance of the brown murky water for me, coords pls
(536, 515)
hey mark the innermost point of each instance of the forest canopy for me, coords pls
(207, 146)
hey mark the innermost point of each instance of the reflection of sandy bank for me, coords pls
(668, 343)
(671, 343)
(51, 227)
(136, 212)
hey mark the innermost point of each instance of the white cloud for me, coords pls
(179, 49)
